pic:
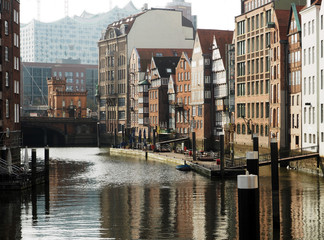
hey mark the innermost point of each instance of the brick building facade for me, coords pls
(66, 104)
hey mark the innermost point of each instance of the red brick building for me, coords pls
(183, 94)
(62, 103)
(10, 77)
(161, 69)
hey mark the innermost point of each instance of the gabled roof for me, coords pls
(282, 17)
(295, 10)
(206, 39)
(166, 65)
(171, 84)
(146, 54)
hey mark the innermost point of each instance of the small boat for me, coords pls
(184, 167)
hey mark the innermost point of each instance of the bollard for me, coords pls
(154, 140)
(98, 135)
(4, 152)
(46, 164)
(194, 146)
(249, 222)
(33, 166)
(252, 162)
(222, 155)
(255, 142)
(145, 154)
(275, 185)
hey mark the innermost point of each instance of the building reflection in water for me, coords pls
(135, 199)
(208, 209)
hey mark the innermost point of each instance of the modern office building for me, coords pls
(79, 77)
(10, 128)
(154, 28)
(74, 37)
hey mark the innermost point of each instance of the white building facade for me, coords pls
(312, 82)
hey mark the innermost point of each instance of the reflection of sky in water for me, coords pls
(94, 196)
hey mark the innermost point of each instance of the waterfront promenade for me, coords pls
(206, 168)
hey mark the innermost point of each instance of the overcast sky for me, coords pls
(212, 14)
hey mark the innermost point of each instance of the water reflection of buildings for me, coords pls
(184, 211)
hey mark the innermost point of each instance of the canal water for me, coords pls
(96, 196)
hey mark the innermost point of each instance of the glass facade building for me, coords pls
(74, 38)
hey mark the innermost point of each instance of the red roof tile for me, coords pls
(206, 40)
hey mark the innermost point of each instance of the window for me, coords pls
(257, 110)
(6, 27)
(322, 83)
(241, 69)
(6, 54)
(7, 79)
(267, 109)
(240, 28)
(121, 115)
(240, 110)
(16, 117)
(7, 108)
(262, 110)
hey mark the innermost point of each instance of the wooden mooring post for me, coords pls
(275, 189)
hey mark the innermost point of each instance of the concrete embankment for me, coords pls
(206, 168)
(172, 158)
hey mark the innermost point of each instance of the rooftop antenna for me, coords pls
(66, 8)
(38, 10)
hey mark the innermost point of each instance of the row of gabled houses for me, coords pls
(263, 78)
(164, 84)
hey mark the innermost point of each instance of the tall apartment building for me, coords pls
(312, 75)
(294, 76)
(202, 86)
(155, 28)
(10, 78)
(261, 86)
(79, 77)
(74, 38)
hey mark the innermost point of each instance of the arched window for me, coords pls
(238, 129)
(266, 131)
(243, 128)
(261, 130)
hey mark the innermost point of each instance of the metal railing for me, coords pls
(282, 154)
